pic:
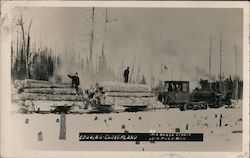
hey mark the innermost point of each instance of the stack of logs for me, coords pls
(36, 92)
(123, 94)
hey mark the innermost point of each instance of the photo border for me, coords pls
(7, 149)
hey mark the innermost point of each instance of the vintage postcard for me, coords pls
(124, 79)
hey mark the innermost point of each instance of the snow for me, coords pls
(165, 120)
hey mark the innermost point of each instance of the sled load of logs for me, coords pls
(34, 94)
(116, 95)
(37, 95)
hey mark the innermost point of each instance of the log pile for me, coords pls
(102, 97)
(122, 94)
(31, 92)
(44, 89)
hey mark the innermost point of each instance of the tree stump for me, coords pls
(26, 121)
(40, 136)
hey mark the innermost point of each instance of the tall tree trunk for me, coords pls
(27, 58)
(28, 55)
(92, 34)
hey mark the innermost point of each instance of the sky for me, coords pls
(148, 37)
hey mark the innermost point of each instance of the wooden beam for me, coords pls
(63, 126)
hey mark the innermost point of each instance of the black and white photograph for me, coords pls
(141, 79)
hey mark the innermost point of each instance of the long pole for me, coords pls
(235, 51)
(220, 64)
(92, 34)
(63, 126)
(172, 74)
(236, 73)
(17, 39)
(132, 71)
(210, 59)
(105, 29)
(210, 53)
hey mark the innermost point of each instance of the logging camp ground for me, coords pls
(104, 97)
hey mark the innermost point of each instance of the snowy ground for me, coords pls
(201, 121)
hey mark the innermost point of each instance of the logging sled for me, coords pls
(115, 96)
(105, 97)
(45, 97)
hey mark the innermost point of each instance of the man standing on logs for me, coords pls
(126, 75)
(75, 81)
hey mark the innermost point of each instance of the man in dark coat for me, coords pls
(75, 81)
(126, 75)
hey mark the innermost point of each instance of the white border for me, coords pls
(6, 6)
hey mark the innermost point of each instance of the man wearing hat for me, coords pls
(75, 81)
(126, 75)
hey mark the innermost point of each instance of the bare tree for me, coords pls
(28, 54)
(25, 48)
(21, 24)
(92, 34)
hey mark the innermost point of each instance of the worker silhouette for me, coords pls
(75, 81)
(126, 75)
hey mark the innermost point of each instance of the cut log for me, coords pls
(65, 91)
(31, 83)
(47, 85)
(39, 90)
(121, 101)
(123, 87)
(128, 95)
(38, 85)
(35, 96)
(15, 97)
(41, 103)
(28, 81)
(50, 85)
(19, 84)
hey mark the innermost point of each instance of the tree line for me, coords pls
(29, 61)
